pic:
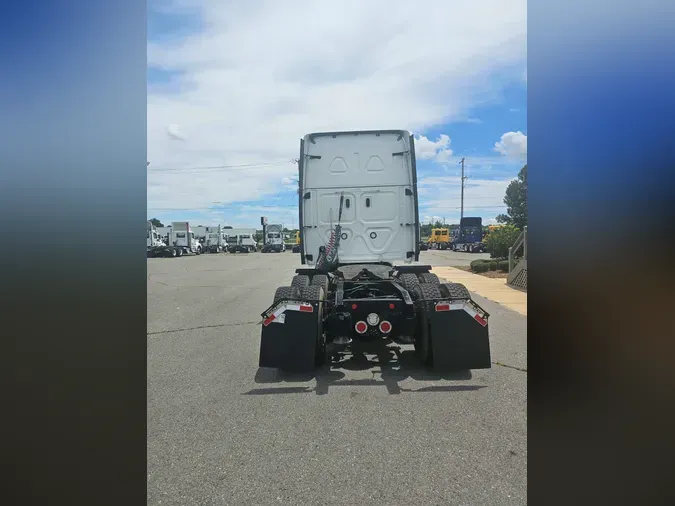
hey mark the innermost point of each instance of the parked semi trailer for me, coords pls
(359, 234)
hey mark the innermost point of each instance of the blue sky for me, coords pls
(226, 108)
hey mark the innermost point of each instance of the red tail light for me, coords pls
(385, 327)
(361, 327)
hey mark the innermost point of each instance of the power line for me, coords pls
(216, 208)
(459, 207)
(289, 207)
(220, 167)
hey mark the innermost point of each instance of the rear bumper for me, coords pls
(458, 330)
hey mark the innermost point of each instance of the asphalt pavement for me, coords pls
(223, 431)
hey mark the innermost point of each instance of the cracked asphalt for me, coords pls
(373, 429)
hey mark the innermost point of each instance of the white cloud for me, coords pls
(248, 98)
(512, 144)
(437, 151)
(475, 121)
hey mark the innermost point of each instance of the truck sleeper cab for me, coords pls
(469, 236)
(241, 240)
(359, 234)
(274, 239)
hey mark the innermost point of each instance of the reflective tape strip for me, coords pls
(475, 315)
(276, 315)
(453, 306)
(449, 306)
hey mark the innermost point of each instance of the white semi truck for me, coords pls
(164, 233)
(182, 239)
(155, 243)
(273, 239)
(215, 241)
(241, 240)
(359, 237)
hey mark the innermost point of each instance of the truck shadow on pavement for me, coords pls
(392, 364)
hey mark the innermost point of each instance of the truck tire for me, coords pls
(179, 252)
(320, 280)
(454, 291)
(172, 253)
(286, 292)
(300, 281)
(408, 281)
(430, 278)
(423, 336)
(314, 293)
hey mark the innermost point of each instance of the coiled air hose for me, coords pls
(328, 256)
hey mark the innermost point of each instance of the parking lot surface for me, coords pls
(379, 430)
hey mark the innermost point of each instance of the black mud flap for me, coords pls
(288, 340)
(459, 336)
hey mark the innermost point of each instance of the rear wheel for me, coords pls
(408, 281)
(454, 291)
(314, 293)
(300, 281)
(322, 281)
(286, 292)
(173, 252)
(179, 252)
(429, 277)
(423, 338)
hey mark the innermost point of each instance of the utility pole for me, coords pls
(461, 213)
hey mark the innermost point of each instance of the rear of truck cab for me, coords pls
(373, 173)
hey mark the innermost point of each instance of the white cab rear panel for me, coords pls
(376, 172)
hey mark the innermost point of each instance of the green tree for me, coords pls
(516, 201)
(500, 240)
(156, 223)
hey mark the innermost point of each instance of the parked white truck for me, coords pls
(241, 240)
(182, 239)
(164, 233)
(155, 244)
(216, 240)
(359, 237)
(273, 239)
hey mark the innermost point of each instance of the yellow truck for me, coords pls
(296, 246)
(490, 229)
(440, 238)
